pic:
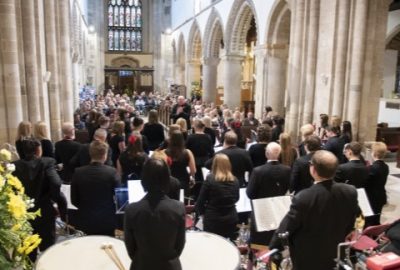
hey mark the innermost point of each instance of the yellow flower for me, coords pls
(2, 180)
(16, 227)
(16, 206)
(1, 169)
(14, 181)
(5, 155)
(29, 244)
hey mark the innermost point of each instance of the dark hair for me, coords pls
(347, 130)
(325, 163)
(313, 143)
(155, 176)
(324, 119)
(355, 147)
(153, 117)
(176, 145)
(29, 147)
(264, 133)
(137, 121)
(333, 129)
(268, 109)
(278, 120)
(135, 145)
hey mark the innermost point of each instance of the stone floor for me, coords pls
(391, 210)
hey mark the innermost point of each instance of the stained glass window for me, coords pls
(125, 25)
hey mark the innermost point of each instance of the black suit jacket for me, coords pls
(82, 157)
(336, 145)
(375, 185)
(92, 192)
(155, 233)
(354, 172)
(185, 114)
(301, 177)
(64, 151)
(319, 219)
(240, 161)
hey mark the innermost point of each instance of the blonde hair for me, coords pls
(336, 121)
(182, 124)
(206, 121)
(379, 149)
(119, 128)
(41, 131)
(172, 128)
(24, 130)
(222, 169)
(306, 130)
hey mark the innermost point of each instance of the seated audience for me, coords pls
(156, 223)
(217, 199)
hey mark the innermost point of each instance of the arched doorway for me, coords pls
(193, 64)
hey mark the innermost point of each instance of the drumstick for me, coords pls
(109, 250)
(111, 247)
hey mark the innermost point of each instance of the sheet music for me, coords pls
(66, 189)
(244, 204)
(363, 202)
(269, 212)
(135, 191)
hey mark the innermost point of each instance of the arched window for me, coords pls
(125, 25)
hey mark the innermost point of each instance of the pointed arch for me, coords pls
(194, 42)
(278, 30)
(213, 35)
(181, 56)
(238, 24)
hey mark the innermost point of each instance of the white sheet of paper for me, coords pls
(66, 189)
(364, 204)
(181, 195)
(244, 203)
(205, 172)
(135, 191)
(199, 224)
(269, 212)
(217, 149)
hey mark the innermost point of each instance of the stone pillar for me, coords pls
(31, 71)
(311, 61)
(210, 73)
(193, 75)
(357, 63)
(342, 36)
(232, 80)
(295, 59)
(65, 67)
(11, 75)
(52, 65)
(276, 77)
(259, 55)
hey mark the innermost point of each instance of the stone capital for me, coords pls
(211, 61)
(279, 50)
(238, 57)
(193, 62)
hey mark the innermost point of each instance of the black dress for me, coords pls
(47, 148)
(154, 134)
(257, 154)
(217, 203)
(114, 141)
(178, 169)
(131, 165)
(202, 149)
(210, 132)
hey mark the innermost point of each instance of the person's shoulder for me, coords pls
(48, 161)
(344, 187)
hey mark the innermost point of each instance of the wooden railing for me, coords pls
(164, 112)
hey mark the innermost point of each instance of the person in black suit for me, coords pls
(375, 185)
(269, 180)
(181, 110)
(42, 183)
(319, 218)
(301, 178)
(239, 158)
(92, 192)
(82, 157)
(257, 151)
(65, 150)
(154, 227)
(335, 144)
(354, 172)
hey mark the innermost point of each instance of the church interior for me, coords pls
(71, 67)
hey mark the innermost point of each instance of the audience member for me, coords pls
(250, 120)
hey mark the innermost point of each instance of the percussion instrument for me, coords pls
(84, 253)
(209, 251)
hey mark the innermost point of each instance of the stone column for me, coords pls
(259, 57)
(11, 75)
(295, 71)
(232, 80)
(357, 63)
(193, 75)
(65, 67)
(311, 61)
(341, 57)
(276, 77)
(52, 66)
(31, 71)
(210, 73)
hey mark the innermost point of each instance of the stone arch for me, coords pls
(181, 56)
(194, 42)
(125, 61)
(278, 30)
(238, 24)
(389, 37)
(213, 35)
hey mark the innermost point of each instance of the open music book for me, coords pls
(269, 212)
(363, 202)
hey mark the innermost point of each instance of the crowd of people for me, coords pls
(322, 171)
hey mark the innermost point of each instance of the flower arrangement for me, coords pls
(16, 234)
(196, 91)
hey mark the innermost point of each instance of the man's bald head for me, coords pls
(273, 151)
(325, 164)
(181, 100)
(100, 135)
(68, 130)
